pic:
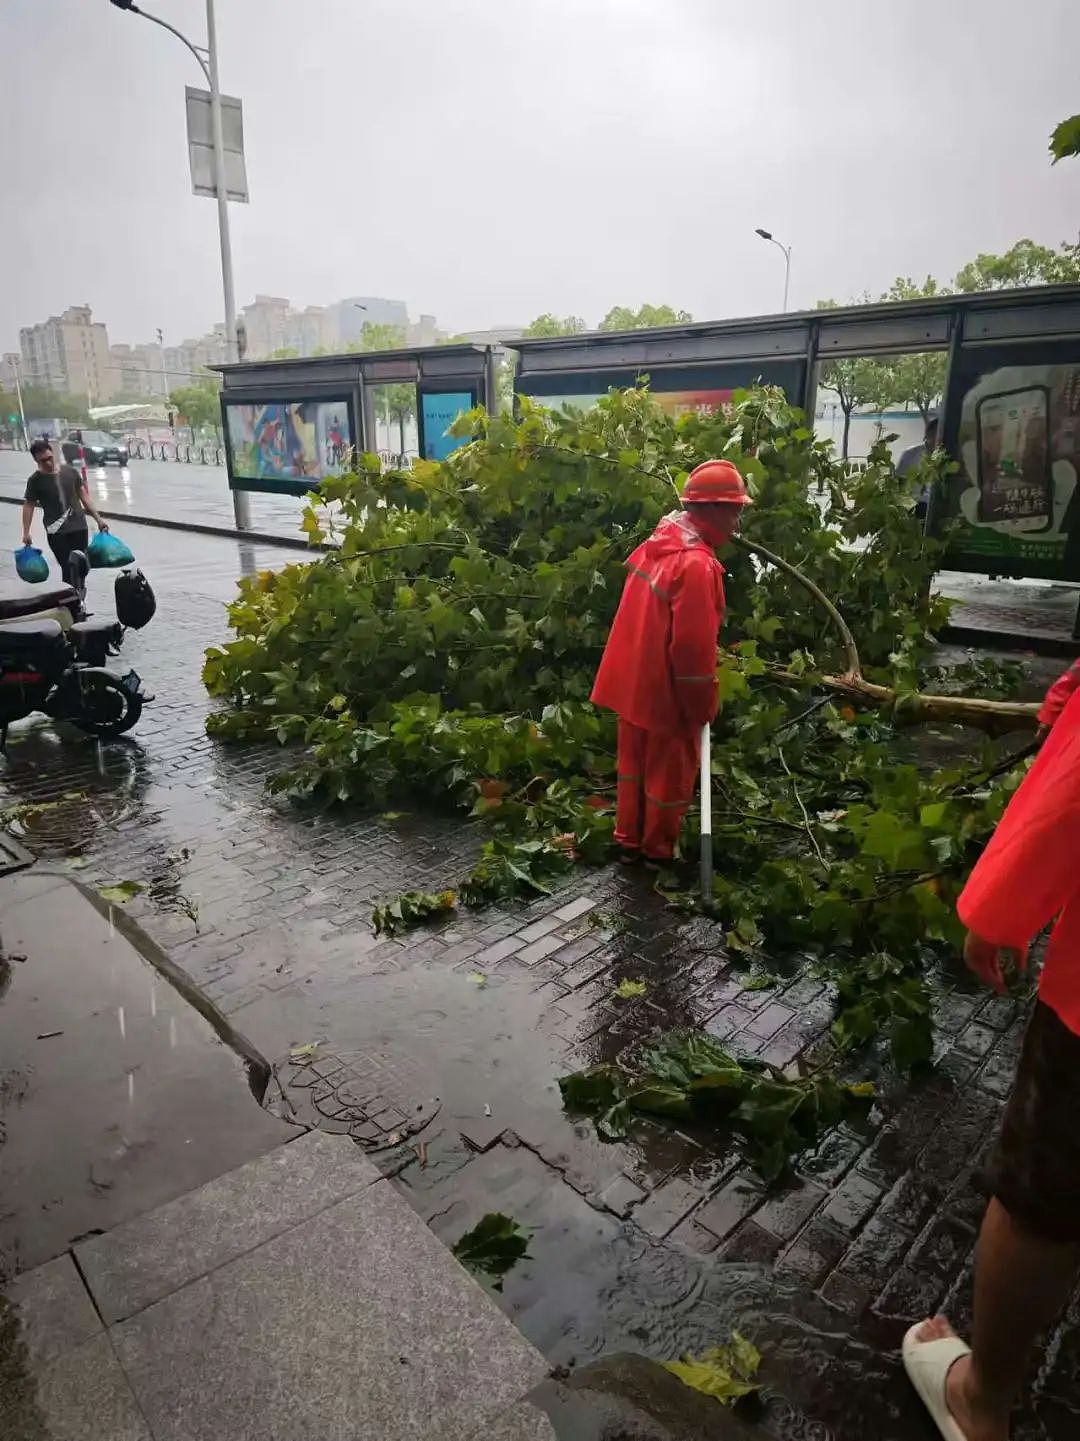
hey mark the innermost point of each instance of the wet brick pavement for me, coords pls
(656, 1243)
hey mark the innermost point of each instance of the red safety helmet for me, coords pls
(716, 482)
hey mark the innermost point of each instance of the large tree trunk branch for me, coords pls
(996, 717)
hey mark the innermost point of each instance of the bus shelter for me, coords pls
(288, 424)
(1010, 410)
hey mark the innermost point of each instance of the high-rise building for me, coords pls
(348, 317)
(69, 353)
(267, 321)
(9, 370)
(424, 331)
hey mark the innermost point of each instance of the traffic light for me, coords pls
(13, 420)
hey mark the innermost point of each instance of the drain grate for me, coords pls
(13, 856)
(377, 1099)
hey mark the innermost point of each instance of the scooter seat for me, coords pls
(31, 599)
(21, 637)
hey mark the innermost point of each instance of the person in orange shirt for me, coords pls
(1029, 1247)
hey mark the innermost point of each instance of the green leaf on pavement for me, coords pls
(492, 1246)
(724, 1372)
(120, 892)
(629, 990)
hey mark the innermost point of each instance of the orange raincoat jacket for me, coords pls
(659, 665)
(1029, 873)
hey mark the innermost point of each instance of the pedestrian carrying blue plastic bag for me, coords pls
(31, 565)
(107, 551)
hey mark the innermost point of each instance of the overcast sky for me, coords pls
(486, 160)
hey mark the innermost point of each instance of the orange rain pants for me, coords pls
(656, 775)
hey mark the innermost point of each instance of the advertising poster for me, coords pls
(439, 410)
(675, 402)
(288, 441)
(1014, 502)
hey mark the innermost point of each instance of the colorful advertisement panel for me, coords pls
(287, 445)
(438, 411)
(1014, 504)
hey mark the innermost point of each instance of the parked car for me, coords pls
(99, 447)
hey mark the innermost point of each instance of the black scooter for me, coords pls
(60, 668)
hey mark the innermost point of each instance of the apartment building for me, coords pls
(69, 353)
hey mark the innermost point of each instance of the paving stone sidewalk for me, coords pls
(654, 1245)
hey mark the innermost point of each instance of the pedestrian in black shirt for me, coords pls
(64, 499)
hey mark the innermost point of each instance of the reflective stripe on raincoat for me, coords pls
(1028, 875)
(658, 670)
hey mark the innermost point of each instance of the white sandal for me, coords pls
(927, 1364)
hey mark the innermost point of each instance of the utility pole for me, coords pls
(207, 58)
(18, 397)
(164, 373)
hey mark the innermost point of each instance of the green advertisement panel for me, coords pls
(1013, 426)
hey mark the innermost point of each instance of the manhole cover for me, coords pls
(376, 1098)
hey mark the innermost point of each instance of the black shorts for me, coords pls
(1035, 1169)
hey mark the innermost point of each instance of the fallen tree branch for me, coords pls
(851, 650)
(994, 716)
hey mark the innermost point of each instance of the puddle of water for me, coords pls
(115, 1094)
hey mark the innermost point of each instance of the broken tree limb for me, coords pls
(851, 650)
(994, 716)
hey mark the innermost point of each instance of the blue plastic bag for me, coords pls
(31, 565)
(107, 551)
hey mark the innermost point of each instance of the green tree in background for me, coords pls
(1024, 263)
(284, 352)
(378, 336)
(198, 404)
(624, 317)
(42, 403)
(548, 325)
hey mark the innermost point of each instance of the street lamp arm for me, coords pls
(196, 50)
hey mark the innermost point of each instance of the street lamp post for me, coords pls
(768, 235)
(207, 58)
(164, 372)
(18, 396)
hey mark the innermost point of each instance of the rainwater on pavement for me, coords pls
(660, 1244)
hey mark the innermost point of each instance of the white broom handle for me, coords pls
(706, 780)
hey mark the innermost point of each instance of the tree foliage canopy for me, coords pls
(198, 404)
(625, 317)
(1024, 263)
(547, 325)
(445, 650)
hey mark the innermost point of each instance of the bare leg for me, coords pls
(1021, 1283)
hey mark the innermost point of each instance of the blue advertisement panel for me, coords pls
(438, 411)
(287, 446)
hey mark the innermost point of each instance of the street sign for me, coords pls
(201, 144)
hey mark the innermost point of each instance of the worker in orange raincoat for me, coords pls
(1028, 1255)
(658, 671)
